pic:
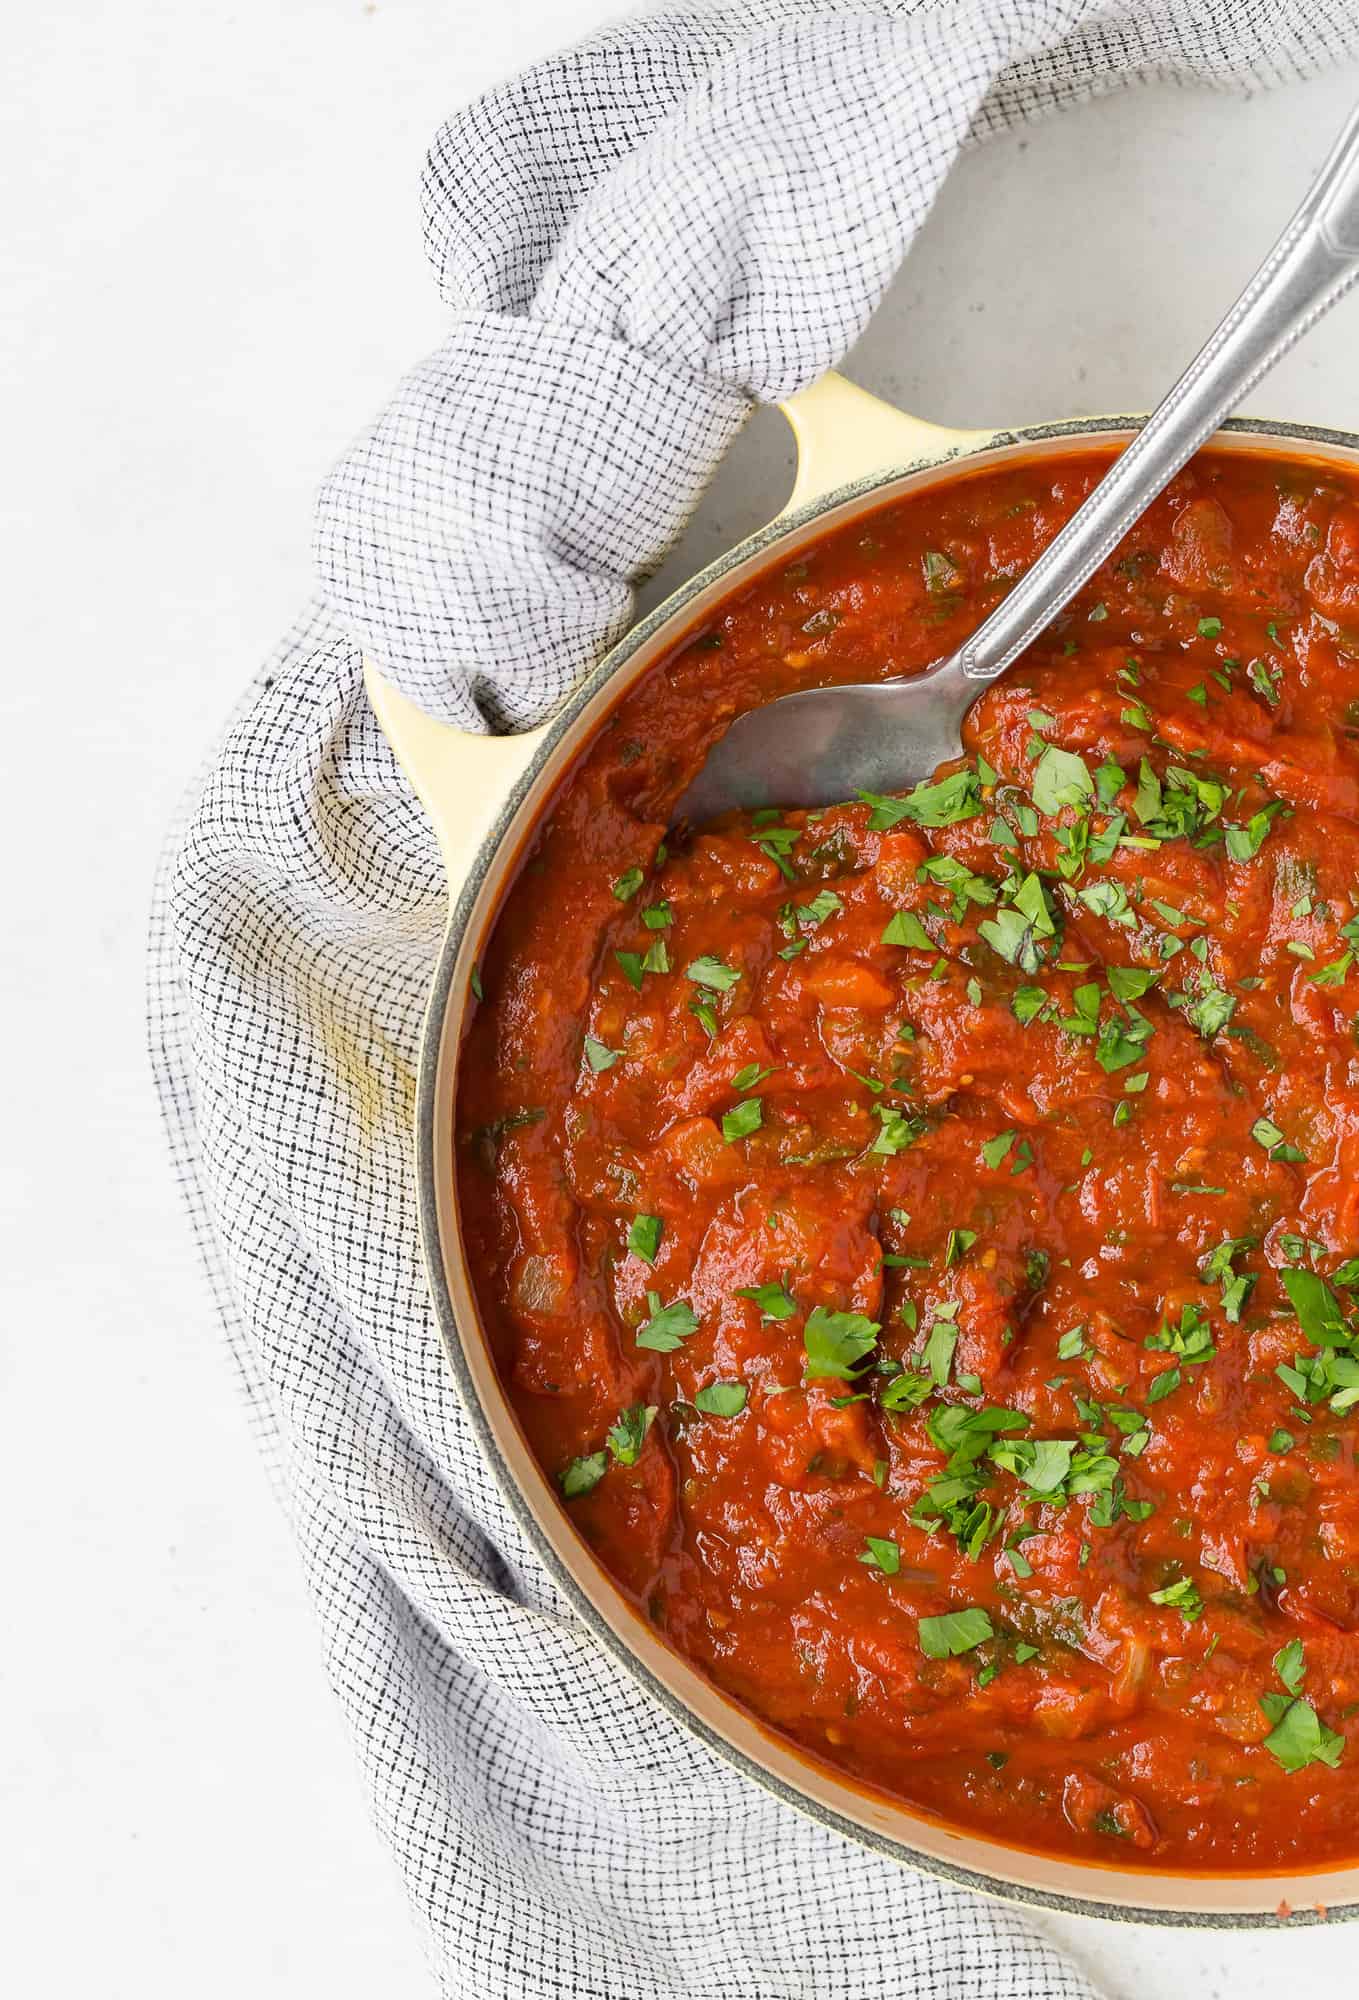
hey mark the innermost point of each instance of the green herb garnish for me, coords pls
(721, 1399)
(774, 1300)
(582, 1475)
(1299, 1737)
(644, 1237)
(905, 928)
(743, 1119)
(628, 1434)
(1181, 1596)
(954, 1632)
(668, 1327)
(880, 1554)
(942, 803)
(836, 1343)
(712, 972)
(1060, 778)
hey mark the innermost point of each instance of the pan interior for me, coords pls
(879, 1823)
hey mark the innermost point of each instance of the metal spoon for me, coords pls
(821, 746)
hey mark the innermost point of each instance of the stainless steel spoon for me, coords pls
(824, 745)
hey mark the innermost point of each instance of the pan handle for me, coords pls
(844, 434)
(463, 780)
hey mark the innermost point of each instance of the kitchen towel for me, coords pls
(636, 240)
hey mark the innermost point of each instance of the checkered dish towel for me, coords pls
(635, 240)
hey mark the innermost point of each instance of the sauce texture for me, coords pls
(921, 1238)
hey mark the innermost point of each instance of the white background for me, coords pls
(215, 274)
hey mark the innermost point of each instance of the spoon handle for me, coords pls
(1313, 264)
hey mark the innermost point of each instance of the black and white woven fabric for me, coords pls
(634, 241)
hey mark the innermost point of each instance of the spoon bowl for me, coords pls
(825, 744)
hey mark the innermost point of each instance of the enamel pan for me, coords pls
(484, 795)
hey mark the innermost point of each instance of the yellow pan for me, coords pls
(484, 795)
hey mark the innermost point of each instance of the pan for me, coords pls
(485, 795)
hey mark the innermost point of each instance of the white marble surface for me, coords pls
(212, 238)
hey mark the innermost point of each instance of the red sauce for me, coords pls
(947, 1337)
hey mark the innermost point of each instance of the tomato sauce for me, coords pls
(919, 1237)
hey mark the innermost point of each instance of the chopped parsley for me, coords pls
(954, 1632)
(956, 1246)
(1129, 982)
(897, 1131)
(1015, 932)
(628, 1434)
(1299, 1737)
(1181, 1596)
(941, 803)
(824, 904)
(1061, 778)
(1244, 842)
(940, 1343)
(713, 973)
(950, 873)
(1190, 1341)
(743, 1119)
(644, 1237)
(1027, 1002)
(705, 1017)
(1267, 1134)
(721, 1399)
(881, 1554)
(1122, 1043)
(1218, 1268)
(1108, 899)
(1319, 1312)
(667, 1327)
(1331, 1375)
(776, 843)
(905, 928)
(1265, 677)
(941, 573)
(1290, 1664)
(747, 1078)
(774, 1300)
(836, 1343)
(582, 1475)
